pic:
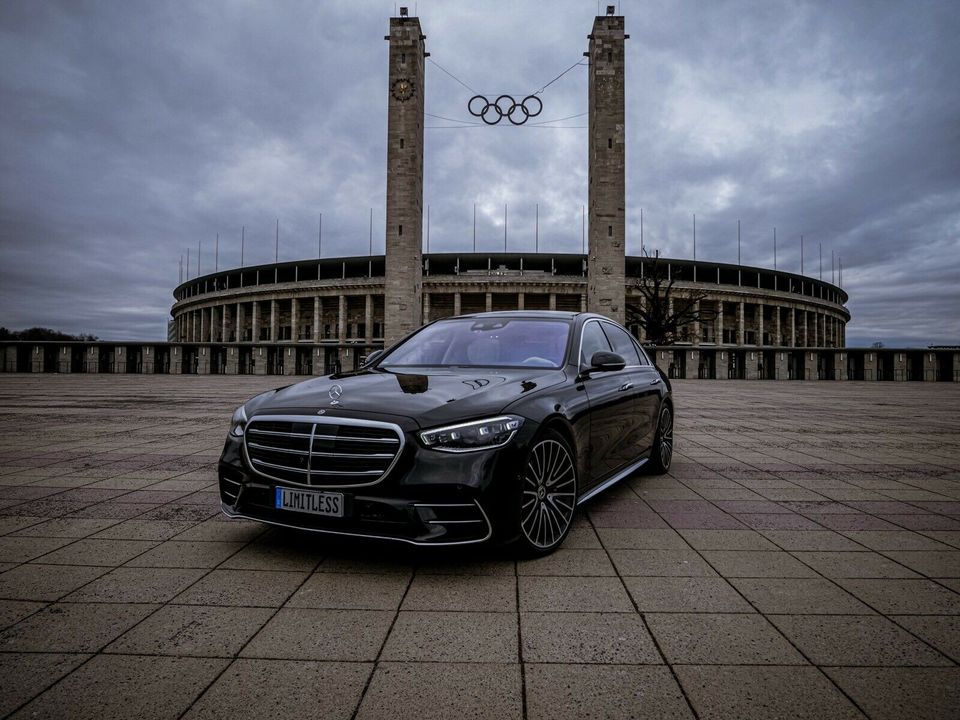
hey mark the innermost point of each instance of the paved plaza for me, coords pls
(802, 559)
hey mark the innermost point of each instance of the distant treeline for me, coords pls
(40, 333)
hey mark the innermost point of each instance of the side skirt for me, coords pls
(629, 470)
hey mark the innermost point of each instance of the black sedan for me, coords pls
(489, 427)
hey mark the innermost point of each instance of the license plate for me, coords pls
(310, 501)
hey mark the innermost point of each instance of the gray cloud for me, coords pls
(133, 131)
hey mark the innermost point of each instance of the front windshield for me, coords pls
(485, 342)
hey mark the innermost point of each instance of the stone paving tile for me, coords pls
(931, 563)
(661, 563)
(66, 528)
(432, 691)
(193, 630)
(453, 637)
(13, 611)
(572, 594)
(223, 530)
(156, 530)
(727, 540)
(72, 627)
(815, 596)
(126, 686)
(940, 631)
(685, 594)
(90, 551)
(45, 582)
(737, 563)
(248, 588)
(176, 554)
(569, 561)
(883, 541)
(15, 549)
(27, 675)
(721, 640)
(823, 540)
(608, 638)
(570, 692)
(492, 593)
(854, 565)
(347, 591)
(639, 539)
(759, 693)
(895, 596)
(136, 585)
(273, 554)
(310, 634)
(894, 693)
(291, 690)
(868, 640)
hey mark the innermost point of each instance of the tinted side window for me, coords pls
(622, 343)
(593, 340)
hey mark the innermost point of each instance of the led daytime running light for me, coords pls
(478, 435)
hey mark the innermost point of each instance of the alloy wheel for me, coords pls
(549, 494)
(666, 438)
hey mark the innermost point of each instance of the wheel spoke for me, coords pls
(545, 516)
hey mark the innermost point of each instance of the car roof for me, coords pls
(548, 314)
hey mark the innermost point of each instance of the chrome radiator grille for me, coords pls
(334, 452)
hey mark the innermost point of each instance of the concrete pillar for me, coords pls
(63, 359)
(839, 366)
(806, 336)
(782, 368)
(426, 307)
(232, 365)
(319, 356)
(759, 316)
(720, 325)
(870, 365)
(147, 355)
(403, 281)
(583, 302)
(456, 304)
(238, 317)
(696, 323)
(553, 301)
(793, 327)
(289, 360)
(368, 315)
(119, 360)
(607, 160)
(740, 323)
(203, 325)
(810, 365)
(294, 320)
(778, 336)
(273, 321)
(255, 321)
(722, 364)
(176, 360)
(317, 310)
(520, 301)
(750, 370)
(342, 319)
(489, 300)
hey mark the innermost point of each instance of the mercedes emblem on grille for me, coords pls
(335, 392)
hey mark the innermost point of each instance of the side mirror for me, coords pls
(372, 357)
(606, 362)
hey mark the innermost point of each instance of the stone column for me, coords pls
(696, 323)
(273, 321)
(489, 299)
(606, 288)
(317, 310)
(294, 320)
(456, 303)
(759, 316)
(368, 315)
(520, 301)
(426, 307)
(238, 310)
(777, 340)
(806, 336)
(203, 325)
(255, 322)
(720, 325)
(403, 280)
(793, 327)
(740, 323)
(553, 301)
(342, 319)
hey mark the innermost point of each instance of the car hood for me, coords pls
(428, 396)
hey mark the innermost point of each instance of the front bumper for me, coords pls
(427, 498)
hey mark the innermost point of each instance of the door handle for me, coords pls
(625, 386)
(655, 381)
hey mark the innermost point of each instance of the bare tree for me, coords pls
(663, 312)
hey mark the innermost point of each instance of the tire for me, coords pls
(661, 454)
(548, 497)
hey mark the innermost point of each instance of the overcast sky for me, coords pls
(132, 131)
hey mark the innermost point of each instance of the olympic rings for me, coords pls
(504, 106)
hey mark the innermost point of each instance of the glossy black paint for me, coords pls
(607, 416)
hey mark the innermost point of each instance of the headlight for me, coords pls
(238, 422)
(478, 435)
